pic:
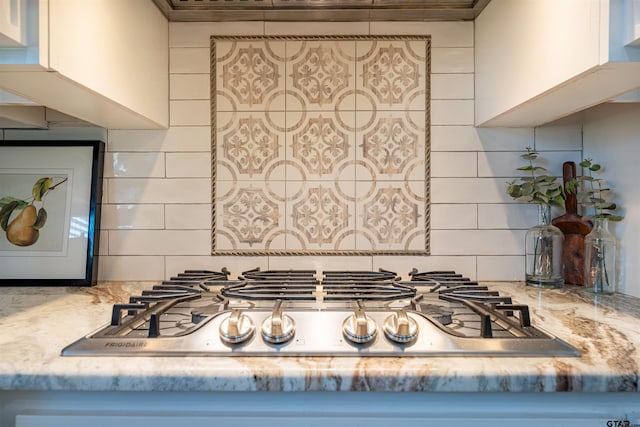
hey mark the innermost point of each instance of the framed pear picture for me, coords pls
(50, 196)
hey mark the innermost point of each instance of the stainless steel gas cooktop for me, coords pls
(309, 313)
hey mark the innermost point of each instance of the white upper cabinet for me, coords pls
(540, 60)
(12, 23)
(633, 23)
(104, 62)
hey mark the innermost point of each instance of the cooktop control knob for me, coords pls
(401, 328)
(278, 328)
(359, 328)
(236, 328)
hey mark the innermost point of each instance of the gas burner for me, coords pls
(309, 313)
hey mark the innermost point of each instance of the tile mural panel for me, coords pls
(321, 145)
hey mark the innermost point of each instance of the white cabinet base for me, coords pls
(129, 409)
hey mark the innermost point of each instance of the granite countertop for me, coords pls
(37, 322)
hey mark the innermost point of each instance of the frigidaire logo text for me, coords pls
(124, 344)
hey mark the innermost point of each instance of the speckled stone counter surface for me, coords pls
(36, 323)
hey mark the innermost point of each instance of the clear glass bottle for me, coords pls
(543, 252)
(600, 247)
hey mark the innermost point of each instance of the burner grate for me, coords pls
(441, 313)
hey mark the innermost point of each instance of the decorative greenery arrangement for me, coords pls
(593, 193)
(537, 186)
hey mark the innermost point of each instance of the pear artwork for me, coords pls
(21, 230)
(21, 219)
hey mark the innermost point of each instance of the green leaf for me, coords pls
(555, 192)
(541, 198)
(5, 213)
(532, 155)
(514, 191)
(595, 167)
(571, 186)
(615, 218)
(527, 189)
(557, 201)
(41, 219)
(41, 187)
(6, 200)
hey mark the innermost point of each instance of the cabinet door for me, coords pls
(80, 420)
(12, 31)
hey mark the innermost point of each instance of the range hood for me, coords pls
(321, 10)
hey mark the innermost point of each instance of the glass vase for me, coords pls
(543, 252)
(600, 247)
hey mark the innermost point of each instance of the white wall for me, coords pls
(156, 208)
(611, 138)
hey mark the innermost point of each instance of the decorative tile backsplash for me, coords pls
(321, 145)
(156, 211)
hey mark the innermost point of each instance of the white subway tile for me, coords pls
(133, 165)
(501, 268)
(454, 164)
(130, 268)
(235, 264)
(505, 139)
(103, 245)
(452, 60)
(450, 112)
(190, 60)
(189, 86)
(188, 217)
(558, 137)
(105, 191)
(454, 216)
(321, 263)
(190, 113)
(182, 138)
(61, 133)
(159, 242)
(452, 86)
(443, 34)
(175, 190)
(477, 242)
(197, 34)
(465, 265)
(454, 138)
(468, 190)
(504, 164)
(470, 138)
(132, 217)
(507, 215)
(189, 165)
(315, 28)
